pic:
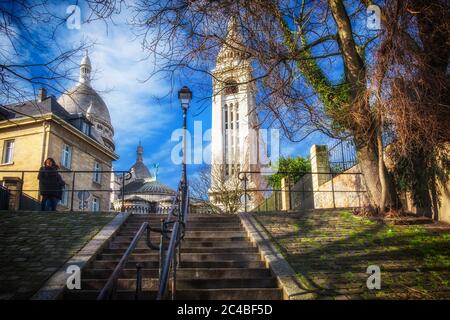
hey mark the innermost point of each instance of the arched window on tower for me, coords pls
(231, 87)
(225, 137)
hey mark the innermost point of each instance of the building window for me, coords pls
(97, 177)
(66, 158)
(237, 115)
(225, 138)
(85, 128)
(65, 196)
(8, 151)
(95, 205)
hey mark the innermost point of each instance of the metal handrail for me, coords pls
(171, 261)
(109, 288)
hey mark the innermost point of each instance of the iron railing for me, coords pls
(301, 188)
(29, 198)
(173, 255)
(342, 156)
(169, 256)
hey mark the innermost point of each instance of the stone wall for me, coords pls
(319, 190)
(346, 190)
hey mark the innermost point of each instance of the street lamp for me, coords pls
(185, 97)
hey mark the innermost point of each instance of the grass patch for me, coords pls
(334, 248)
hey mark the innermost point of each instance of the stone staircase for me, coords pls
(218, 262)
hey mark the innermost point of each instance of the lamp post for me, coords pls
(185, 97)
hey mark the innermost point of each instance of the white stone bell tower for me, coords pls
(235, 143)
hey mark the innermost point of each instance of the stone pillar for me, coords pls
(285, 203)
(14, 185)
(319, 163)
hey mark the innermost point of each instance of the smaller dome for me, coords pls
(139, 169)
(148, 187)
(155, 187)
(86, 60)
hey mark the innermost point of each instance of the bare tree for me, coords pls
(296, 49)
(221, 193)
(32, 52)
(412, 83)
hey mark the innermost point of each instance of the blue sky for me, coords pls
(144, 111)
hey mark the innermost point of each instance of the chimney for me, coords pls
(42, 94)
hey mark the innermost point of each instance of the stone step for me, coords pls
(206, 237)
(191, 227)
(211, 283)
(195, 233)
(131, 264)
(185, 256)
(191, 219)
(186, 249)
(195, 273)
(200, 294)
(188, 244)
(217, 262)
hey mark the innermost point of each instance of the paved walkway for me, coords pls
(331, 250)
(34, 245)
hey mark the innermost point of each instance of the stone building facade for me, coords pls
(32, 131)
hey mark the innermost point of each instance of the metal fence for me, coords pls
(342, 156)
(20, 189)
(305, 190)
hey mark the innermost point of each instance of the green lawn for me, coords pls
(34, 245)
(331, 250)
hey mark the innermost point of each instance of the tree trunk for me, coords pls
(420, 185)
(369, 162)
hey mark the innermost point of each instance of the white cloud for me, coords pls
(117, 72)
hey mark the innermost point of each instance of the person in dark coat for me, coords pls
(50, 185)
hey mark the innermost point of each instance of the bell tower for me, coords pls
(235, 143)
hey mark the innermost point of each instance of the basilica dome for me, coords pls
(83, 99)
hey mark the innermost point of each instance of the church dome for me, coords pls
(139, 170)
(154, 187)
(148, 186)
(81, 98)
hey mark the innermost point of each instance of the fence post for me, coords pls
(332, 189)
(245, 193)
(73, 191)
(289, 192)
(122, 193)
(21, 189)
